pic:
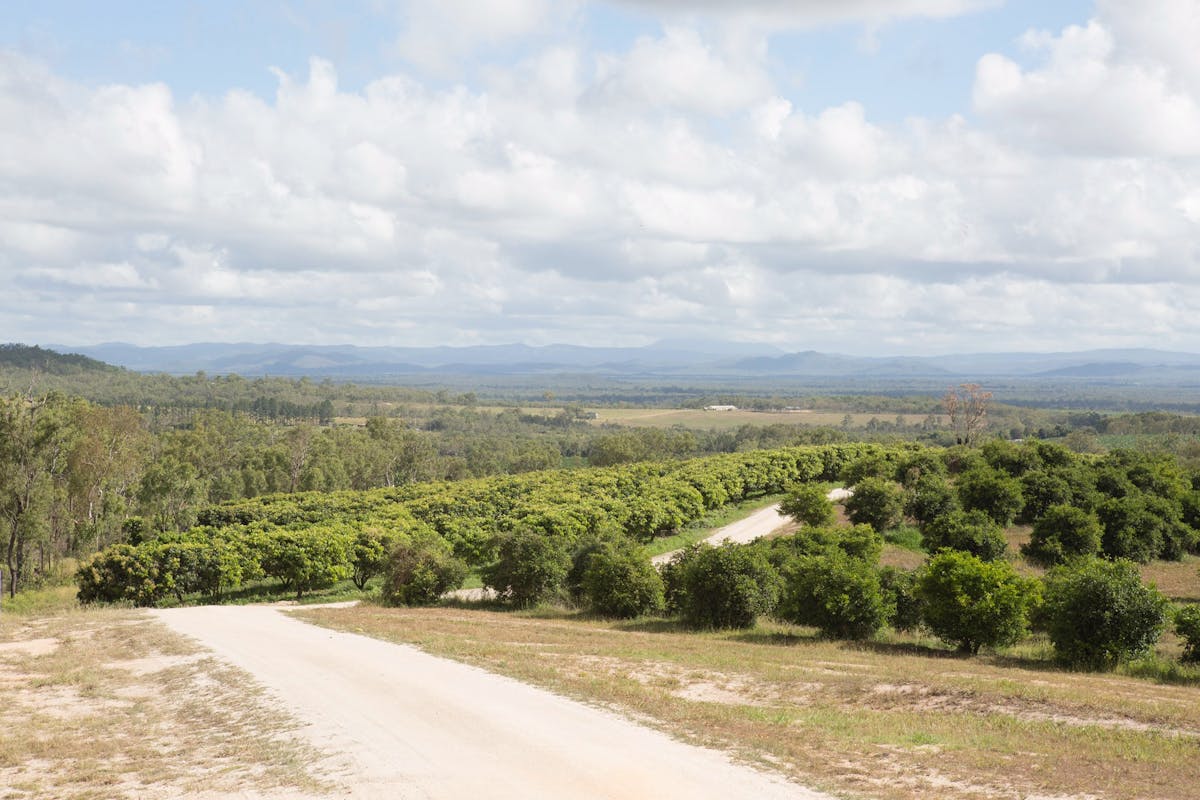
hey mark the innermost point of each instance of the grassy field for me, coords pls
(110, 704)
(728, 420)
(900, 718)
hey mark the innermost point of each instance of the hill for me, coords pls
(21, 356)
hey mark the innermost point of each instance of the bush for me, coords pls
(673, 572)
(120, 573)
(728, 586)
(1187, 626)
(587, 546)
(875, 502)
(972, 603)
(306, 559)
(972, 532)
(529, 567)
(899, 589)
(808, 504)
(369, 555)
(419, 568)
(994, 493)
(929, 498)
(1099, 613)
(835, 593)
(1130, 530)
(858, 541)
(1041, 491)
(1064, 532)
(620, 581)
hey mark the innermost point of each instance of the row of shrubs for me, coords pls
(1096, 612)
(310, 540)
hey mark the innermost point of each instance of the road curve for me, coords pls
(405, 724)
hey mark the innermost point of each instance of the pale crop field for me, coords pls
(728, 420)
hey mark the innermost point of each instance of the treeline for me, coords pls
(313, 539)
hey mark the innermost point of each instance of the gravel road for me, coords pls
(403, 724)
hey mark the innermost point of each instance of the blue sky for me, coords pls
(869, 176)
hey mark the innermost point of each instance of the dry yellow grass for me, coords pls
(899, 720)
(726, 420)
(109, 704)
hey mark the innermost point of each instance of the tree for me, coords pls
(307, 559)
(419, 569)
(930, 496)
(530, 567)
(996, 494)
(1187, 627)
(969, 531)
(876, 502)
(1099, 613)
(967, 407)
(839, 595)
(369, 555)
(620, 581)
(807, 504)
(972, 603)
(1063, 532)
(728, 587)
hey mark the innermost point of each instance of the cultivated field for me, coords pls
(727, 420)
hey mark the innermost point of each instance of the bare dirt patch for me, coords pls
(109, 704)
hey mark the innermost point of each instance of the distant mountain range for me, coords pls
(667, 359)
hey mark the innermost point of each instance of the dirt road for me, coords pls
(404, 724)
(755, 526)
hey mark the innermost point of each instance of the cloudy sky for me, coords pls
(861, 176)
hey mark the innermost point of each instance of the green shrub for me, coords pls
(876, 502)
(972, 603)
(899, 589)
(419, 568)
(369, 555)
(728, 586)
(930, 497)
(620, 581)
(530, 567)
(1187, 627)
(306, 559)
(673, 573)
(1063, 532)
(857, 541)
(1041, 491)
(122, 573)
(1130, 530)
(996, 494)
(1099, 613)
(969, 531)
(839, 595)
(807, 504)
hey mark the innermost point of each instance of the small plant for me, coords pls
(876, 502)
(1063, 532)
(529, 567)
(899, 589)
(969, 531)
(835, 593)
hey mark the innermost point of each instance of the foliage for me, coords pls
(620, 581)
(930, 496)
(370, 553)
(728, 586)
(899, 589)
(807, 504)
(1130, 530)
(1099, 613)
(995, 493)
(876, 502)
(972, 603)
(308, 559)
(1063, 532)
(530, 567)
(969, 531)
(419, 569)
(1187, 627)
(840, 595)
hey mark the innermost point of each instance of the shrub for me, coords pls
(930, 497)
(1130, 530)
(306, 559)
(529, 567)
(857, 541)
(1041, 491)
(1064, 532)
(994, 493)
(120, 573)
(875, 502)
(673, 572)
(972, 603)
(620, 581)
(1187, 626)
(969, 531)
(899, 589)
(835, 593)
(419, 568)
(807, 503)
(871, 465)
(728, 586)
(369, 555)
(587, 546)
(1099, 612)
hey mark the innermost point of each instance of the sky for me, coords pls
(871, 177)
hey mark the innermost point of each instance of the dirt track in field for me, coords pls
(399, 723)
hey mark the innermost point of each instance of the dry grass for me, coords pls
(899, 720)
(110, 704)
